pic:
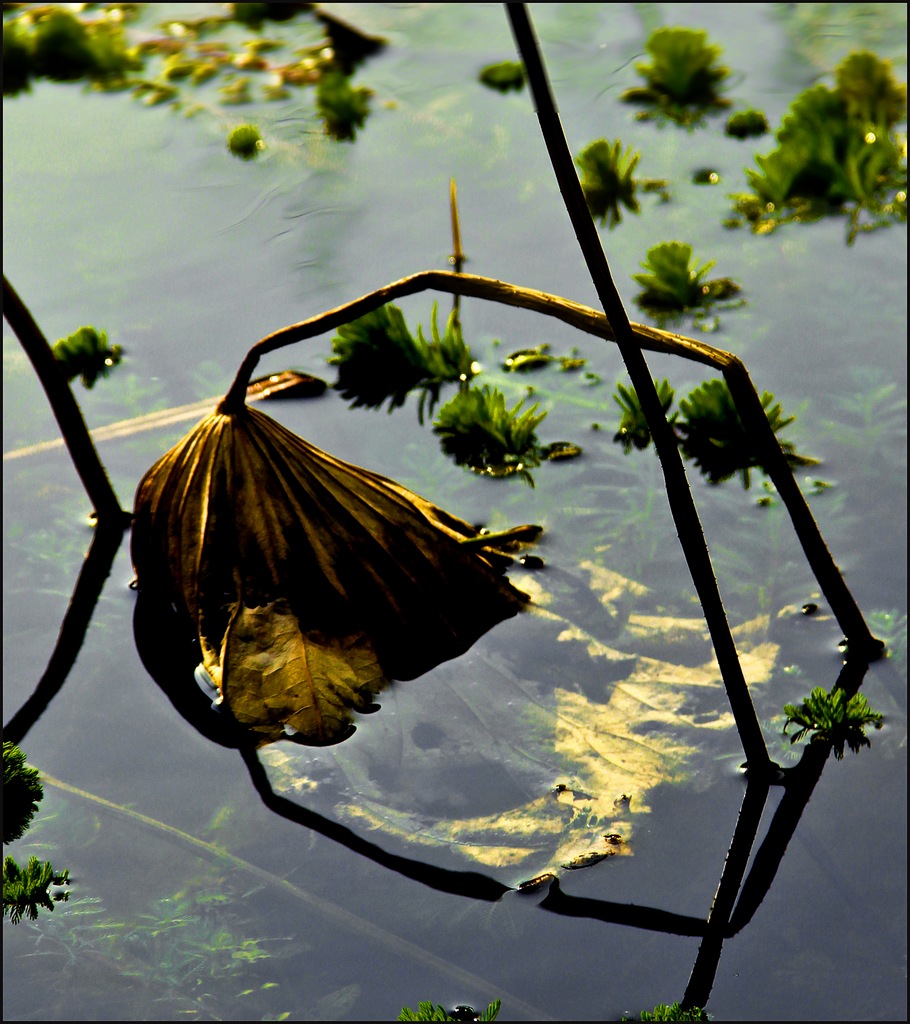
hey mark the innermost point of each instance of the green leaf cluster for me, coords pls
(429, 1011)
(478, 431)
(672, 281)
(342, 107)
(53, 43)
(836, 146)
(87, 354)
(633, 427)
(746, 123)
(22, 792)
(378, 359)
(606, 179)
(834, 719)
(25, 890)
(508, 74)
(683, 77)
(708, 429)
(672, 1012)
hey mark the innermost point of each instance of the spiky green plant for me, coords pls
(478, 431)
(746, 123)
(429, 1011)
(713, 436)
(22, 792)
(25, 890)
(837, 149)
(683, 78)
(834, 719)
(87, 354)
(673, 282)
(672, 1012)
(378, 359)
(633, 427)
(606, 179)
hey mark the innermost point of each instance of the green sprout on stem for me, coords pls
(86, 354)
(683, 76)
(378, 358)
(508, 74)
(834, 719)
(675, 283)
(245, 141)
(429, 1011)
(747, 123)
(606, 179)
(479, 432)
(837, 152)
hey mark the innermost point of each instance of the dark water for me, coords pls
(140, 221)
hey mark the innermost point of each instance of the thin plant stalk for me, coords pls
(682, 504)
(65, 408)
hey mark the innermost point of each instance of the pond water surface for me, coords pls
(339, 902)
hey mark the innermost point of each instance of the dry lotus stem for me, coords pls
(308, 581)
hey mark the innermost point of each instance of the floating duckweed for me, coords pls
(509, 74)
(706, 176)
(86, 354)
(746, 123)
(245, 141)
(342, 107)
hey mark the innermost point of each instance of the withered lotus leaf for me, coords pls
(308, 581)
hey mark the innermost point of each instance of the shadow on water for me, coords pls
(728, 915)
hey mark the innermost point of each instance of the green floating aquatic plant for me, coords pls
(508, 74)
(53, 43)
(245, 141)
(746, 123)
(837, 152)
(708, 429)
(672, 1012)
(633, 427)
(675, 283)
(683, 77)
(606, 179)
(86, 354)
(834, 719)
(342, 107)
(24, 889)
(378, 358)
(478, 431)
(429, 1011)
(712, 435)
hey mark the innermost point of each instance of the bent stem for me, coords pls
(65, 408)
(652, 339)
